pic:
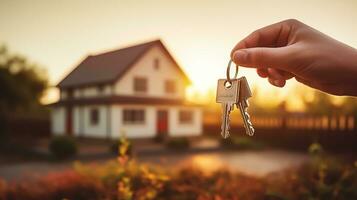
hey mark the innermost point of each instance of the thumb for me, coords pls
(263, 57)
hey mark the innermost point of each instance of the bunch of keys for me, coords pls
(230, 93)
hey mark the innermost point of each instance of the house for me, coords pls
(139, 90)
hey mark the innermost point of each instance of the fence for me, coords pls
(336, 133)
(25, 127)
(300, 122)
(321, 123)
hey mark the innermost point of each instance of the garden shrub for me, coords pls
(3, 189)
(63, 147)
(159, 138)
(130, 180)
(56, 186)
(178, 143)
(125, 179)
(115, 146)
(324, 177)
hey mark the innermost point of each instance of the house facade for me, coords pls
(137, 90)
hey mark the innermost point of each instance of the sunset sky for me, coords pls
(199, 34)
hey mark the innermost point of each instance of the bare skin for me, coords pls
(291, 49)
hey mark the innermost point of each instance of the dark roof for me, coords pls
(110, 66)
(122, 99)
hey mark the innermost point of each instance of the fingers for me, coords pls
(261, 57)
(275, 35)
(275, 77)
(279, 74)
(275, 74)
(268, 47)
(277, 83)
(262, 72)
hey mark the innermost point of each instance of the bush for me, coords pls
(136, 181)
(178, 143)
(159, 138)
(63, 147)
(323, 178)
(241, 143)
(319, 179)
(114, 147)
(55, 186)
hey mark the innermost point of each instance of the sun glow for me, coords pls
(263, 93)
(200, 34)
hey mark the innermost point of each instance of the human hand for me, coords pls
(290, 49)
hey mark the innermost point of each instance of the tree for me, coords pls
(22, 83)
(321, 104)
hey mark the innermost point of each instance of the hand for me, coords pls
(290, 49)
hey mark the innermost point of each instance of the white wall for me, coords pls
(82, 126)
(58, 120)
(156, 77)
(178, 129)
(149, 129)
(99, 130)
(145, 130)
(76, 124)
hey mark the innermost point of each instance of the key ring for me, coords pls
(228, 70)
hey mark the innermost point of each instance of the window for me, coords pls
(185, 117)
(94, 116)
(140, 84)
(170, 86)
(133, 116)
(156, 64)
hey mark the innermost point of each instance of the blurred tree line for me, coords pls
(22, 84)
(323, 103)
(314, 101)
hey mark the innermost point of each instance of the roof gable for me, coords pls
(111, 66)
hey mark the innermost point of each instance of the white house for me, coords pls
(139, 90)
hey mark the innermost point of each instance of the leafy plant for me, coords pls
(55, 186)
(22, 83)
(125, 179)
(115, 147)
(322, 178)
(63, 147)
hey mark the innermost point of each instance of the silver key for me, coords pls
(244, 94)
(228, 96)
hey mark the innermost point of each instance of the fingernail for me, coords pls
(278, 83)
(240, 56)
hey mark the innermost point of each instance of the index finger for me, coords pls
(275, 35)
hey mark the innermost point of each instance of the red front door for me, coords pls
(162, 122)
(69, 120)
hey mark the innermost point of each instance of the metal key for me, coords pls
(228, 96)
(244, 94)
